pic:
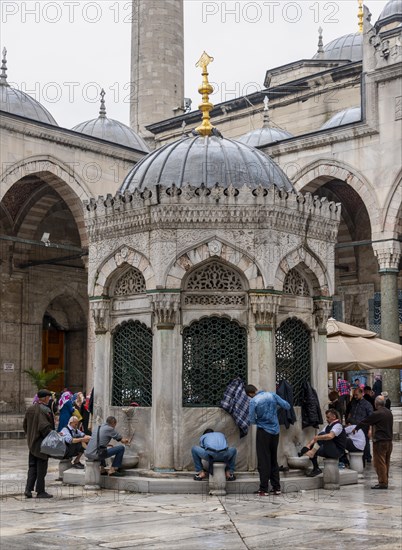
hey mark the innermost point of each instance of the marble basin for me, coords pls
(129, 461)
(298, 462)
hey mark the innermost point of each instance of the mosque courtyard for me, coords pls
(355, 516)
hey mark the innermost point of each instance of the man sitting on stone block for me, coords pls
(213, 448)
(74, 439)
(101, 437)
(355, 440)
(329, 443)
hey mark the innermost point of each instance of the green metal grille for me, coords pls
(132, 365)
(293, 356)
(214, 353)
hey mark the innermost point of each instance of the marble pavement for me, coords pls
(354, 517)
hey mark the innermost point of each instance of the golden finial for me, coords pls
(205, 129)
(360, 15)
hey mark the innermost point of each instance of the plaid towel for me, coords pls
(236, 402)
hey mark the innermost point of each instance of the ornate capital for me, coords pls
(322, 311)
(165, 307)
(388, 255)
(100, 313)
(265, 308)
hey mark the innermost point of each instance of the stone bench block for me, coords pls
(217, 481)
(64, 465)
(356, 462)
(92, 475)
(331, 474)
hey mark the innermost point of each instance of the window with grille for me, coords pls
(132, 365)
(214, 353)
(131, 282)
(293, 356)
(295, 284)
(215, 284)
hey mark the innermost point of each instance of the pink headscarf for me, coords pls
(66, 396)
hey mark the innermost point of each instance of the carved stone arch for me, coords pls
(59, 177)
(319, 172)
(391, 224)
(309, 267)
(129, 281)
(217, 314)
(64, 295)
(115, 264)
(214, 249)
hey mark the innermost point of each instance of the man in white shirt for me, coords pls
(74, 439)
(330, 443)
(355, 440)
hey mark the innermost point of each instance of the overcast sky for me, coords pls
(62, 53)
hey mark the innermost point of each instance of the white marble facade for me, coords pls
(167, 237)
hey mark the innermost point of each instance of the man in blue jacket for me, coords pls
(263, 413)
(213, 447)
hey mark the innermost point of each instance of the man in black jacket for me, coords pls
(38, 422)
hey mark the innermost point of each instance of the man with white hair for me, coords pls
(74, 438)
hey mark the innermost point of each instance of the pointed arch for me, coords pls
(393, 208)
(114, 265)
(207, 250)
(319, 172)
(59, 176)
(310, 267)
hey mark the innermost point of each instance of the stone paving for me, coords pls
(355, 516)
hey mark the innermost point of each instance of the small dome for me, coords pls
(264, 136)
(347, 116)
(391, 12)
(206, 161)
(348, 47)
(19, 103)
(111, 130)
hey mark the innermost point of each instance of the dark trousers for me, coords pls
(382, 454)
(36, 473)
(328, 449)
(74, 449)
(267, 448)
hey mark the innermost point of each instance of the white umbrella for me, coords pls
(352, 348)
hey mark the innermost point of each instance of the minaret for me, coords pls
(157, 62)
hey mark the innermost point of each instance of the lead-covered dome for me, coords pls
(111, 130)
(206, 161)
(19, 103)
(391, 13)
(347, 47)
(267, 134)
(347, 116)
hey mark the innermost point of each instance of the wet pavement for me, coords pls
(353, 517)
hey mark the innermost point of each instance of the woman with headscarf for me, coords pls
(66, 409)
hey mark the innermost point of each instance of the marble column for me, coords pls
(388, 255)
(319, 362)
(100, 309)
(166, 344)
(265, 308)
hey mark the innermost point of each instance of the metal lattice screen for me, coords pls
(293, 356)
(214, 353)
(132, 365)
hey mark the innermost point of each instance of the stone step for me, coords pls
(12, 434)
(244, 485)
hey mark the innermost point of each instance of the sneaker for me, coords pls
(232, 477)
(44, 495)
(314, 473)
(261, 493)
(78, 465)
(275, 492)
(378, 486)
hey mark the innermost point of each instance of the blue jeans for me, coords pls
(228, 456)
(117, 451)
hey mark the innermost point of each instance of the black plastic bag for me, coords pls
(53, 445)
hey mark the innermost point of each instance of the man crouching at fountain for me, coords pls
(330, 443)
(101, 438)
